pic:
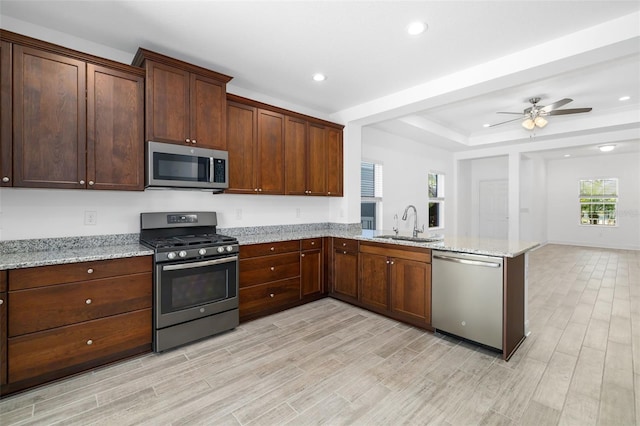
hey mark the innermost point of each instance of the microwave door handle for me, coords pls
(211, 170)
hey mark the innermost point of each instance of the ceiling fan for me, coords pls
(535, 114)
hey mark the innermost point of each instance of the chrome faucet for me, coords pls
(415, 219)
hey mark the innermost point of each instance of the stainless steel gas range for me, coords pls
(195, 277)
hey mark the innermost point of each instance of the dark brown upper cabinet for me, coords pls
(185, 104)
(77, 120)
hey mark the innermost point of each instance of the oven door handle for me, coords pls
(199, 264)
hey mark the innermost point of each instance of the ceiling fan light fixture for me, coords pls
(606, 148)
(540, 121)
(528, 124)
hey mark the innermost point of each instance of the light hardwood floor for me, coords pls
(331, 363)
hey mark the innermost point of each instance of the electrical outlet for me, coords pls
(298, 212)
(90, 217)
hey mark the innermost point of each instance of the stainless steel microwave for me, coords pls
(186, 167)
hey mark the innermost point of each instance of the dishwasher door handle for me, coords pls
(467, 261)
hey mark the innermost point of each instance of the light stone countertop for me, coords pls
(483, 246)
(31, 253)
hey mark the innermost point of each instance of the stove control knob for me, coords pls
(182, 253)
(171, 255)
(202, 252)
(220, 249)
(229, 248)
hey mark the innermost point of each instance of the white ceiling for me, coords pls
(476, 58)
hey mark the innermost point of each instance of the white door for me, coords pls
(494, 209)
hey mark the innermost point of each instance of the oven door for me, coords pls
(190, 290)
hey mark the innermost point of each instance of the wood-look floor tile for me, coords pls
(587, 377)
(572, 338)
(597, 334)
(554, 384)
(579, 410)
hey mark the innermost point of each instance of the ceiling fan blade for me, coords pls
(504, 122)
(556, 105)
(502, 112)
(568, 111)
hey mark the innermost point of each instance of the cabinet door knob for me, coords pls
(5, 179)
(273, 268)
(259, 189)
(387, 262)
(271, 295)
(90, 183)
(81, 182)
(90, 271)
(272, 248)
(313, 243)
(302, 255)
(89, 342)
(256, 189)
(187, 140)
(393, 263)
(193, 141)
(329, 193)
(88, 301)
(344, 252)
(1, 301)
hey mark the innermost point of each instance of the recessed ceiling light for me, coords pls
(486, 125)
(567, 155)
(319, 77)
(416, 28)
(624, 98)
(606, 148)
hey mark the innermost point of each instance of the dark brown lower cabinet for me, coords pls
(63, 319)
(344, 282)
(311, 268)
(374, 280)
(411, 289)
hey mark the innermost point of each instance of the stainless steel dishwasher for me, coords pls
(467, 296)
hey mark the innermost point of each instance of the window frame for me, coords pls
(602, 199)
(377, 190)
(438, 200)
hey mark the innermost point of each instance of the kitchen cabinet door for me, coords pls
(374, 280)
(334, 163)
(208, 102)
(345, 273)
(411, 289)
(270, 158)
(6, 174)
(310, 272)
(115, 129)
(49, 119)
(317, 160)
(242, 135)
(167, 103)
(295, 140)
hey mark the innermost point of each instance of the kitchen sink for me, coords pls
(410, 238)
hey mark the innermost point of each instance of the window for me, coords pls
(436, 200)
(598, 201)
(371, 194)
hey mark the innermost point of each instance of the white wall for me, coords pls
(406, 165)
(533, 199)
(563, 207)
(41, 213)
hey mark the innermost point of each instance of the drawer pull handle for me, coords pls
(302, 255)
(271, 295)
(344, 244)
(273, 268)
(313, 243)
(88, 301)
(272, 248)
(90, 271)
(344, 252)
(89, 342)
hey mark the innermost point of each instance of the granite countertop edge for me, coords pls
(127, 248)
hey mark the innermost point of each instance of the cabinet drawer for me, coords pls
(264, 269)
(254, 250)
(311, 243)
(54, 306)
(20, 279)
(44, 352)
(345, 244)
(265, 296)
